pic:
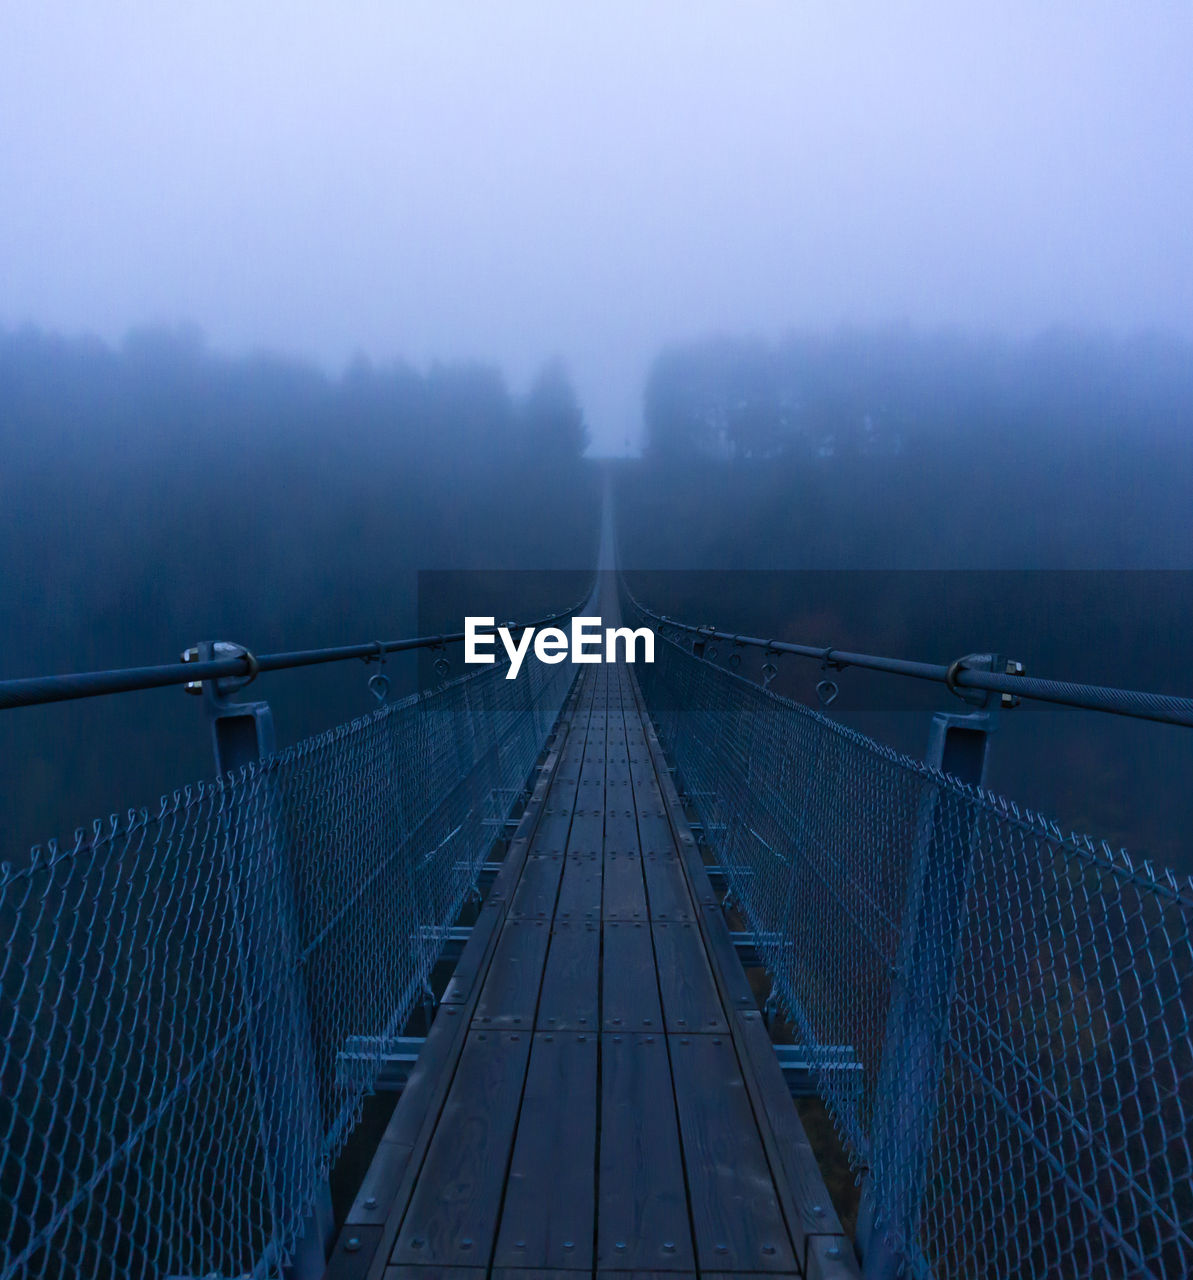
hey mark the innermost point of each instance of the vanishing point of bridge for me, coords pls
(199, 1002)
(598, 1089)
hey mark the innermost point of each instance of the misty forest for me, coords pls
(156, 493)
(833, 365)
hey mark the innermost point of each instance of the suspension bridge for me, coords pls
(560, 917)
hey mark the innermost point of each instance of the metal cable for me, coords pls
(35, 690)
(1137, 704)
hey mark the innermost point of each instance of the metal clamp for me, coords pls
(1013, 668)
(224, 685)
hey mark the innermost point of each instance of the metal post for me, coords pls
(282, 1050)
(905, 1100)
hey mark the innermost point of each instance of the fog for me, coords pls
(514, 181)
(298, 303)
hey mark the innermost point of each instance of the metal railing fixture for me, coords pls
(178, 987)
(972, 673)
(1019, 1000)
(231, 662)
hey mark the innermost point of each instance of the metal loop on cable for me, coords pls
(950, 676)
(827, 691)
(829, 663)
(254, 668)
(378, 683)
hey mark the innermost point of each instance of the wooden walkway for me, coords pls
(598, 1093)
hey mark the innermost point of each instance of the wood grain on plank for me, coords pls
(629, 987)
(569, 1000)
(547, 1220)
(625, 889)
(689, 994)
(509, 996)
(452, 1218)
(538, 887)
(642, 1217)
(735, 1211)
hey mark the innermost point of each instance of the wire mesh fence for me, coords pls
(1019, 1000)
(177, 988)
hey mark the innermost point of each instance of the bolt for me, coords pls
(351, 1245)
(768, 1248)
(466, 1243)
(621, 1244)
(371, 1202)
(834, 1252)
(818, 1210)
(669, 1246)
(418, 1242)
(569, 1244)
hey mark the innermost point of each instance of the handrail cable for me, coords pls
(36, 690)
(1137, 704)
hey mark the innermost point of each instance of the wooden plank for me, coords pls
(832, 1258)
(667, 822)
(569, 1000)
(625, 889)
(587, 832)
(353, 1252)
(730, 976)
(689, 994)
(530, 1273)
(510, 994)
(667, 895)
(410, 1125)
(581, 890)
(645, 1275)
(538, 887)
(642, 1216)
(806, 1202)
(384, 1173)
(629, 992)
(547, 1219)
(735, 1211)
(621, 819)
(434, 1273)
(744, 1275)
(453, 1212)
(414, 1119)
(477, 953)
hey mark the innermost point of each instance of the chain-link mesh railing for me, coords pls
(194, 1001)
(999, 1013)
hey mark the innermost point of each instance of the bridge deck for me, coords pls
(598, 1093)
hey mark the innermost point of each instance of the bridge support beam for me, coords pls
(281, 1048)
(935, 911)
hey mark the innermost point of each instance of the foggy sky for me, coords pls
(509, 181)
